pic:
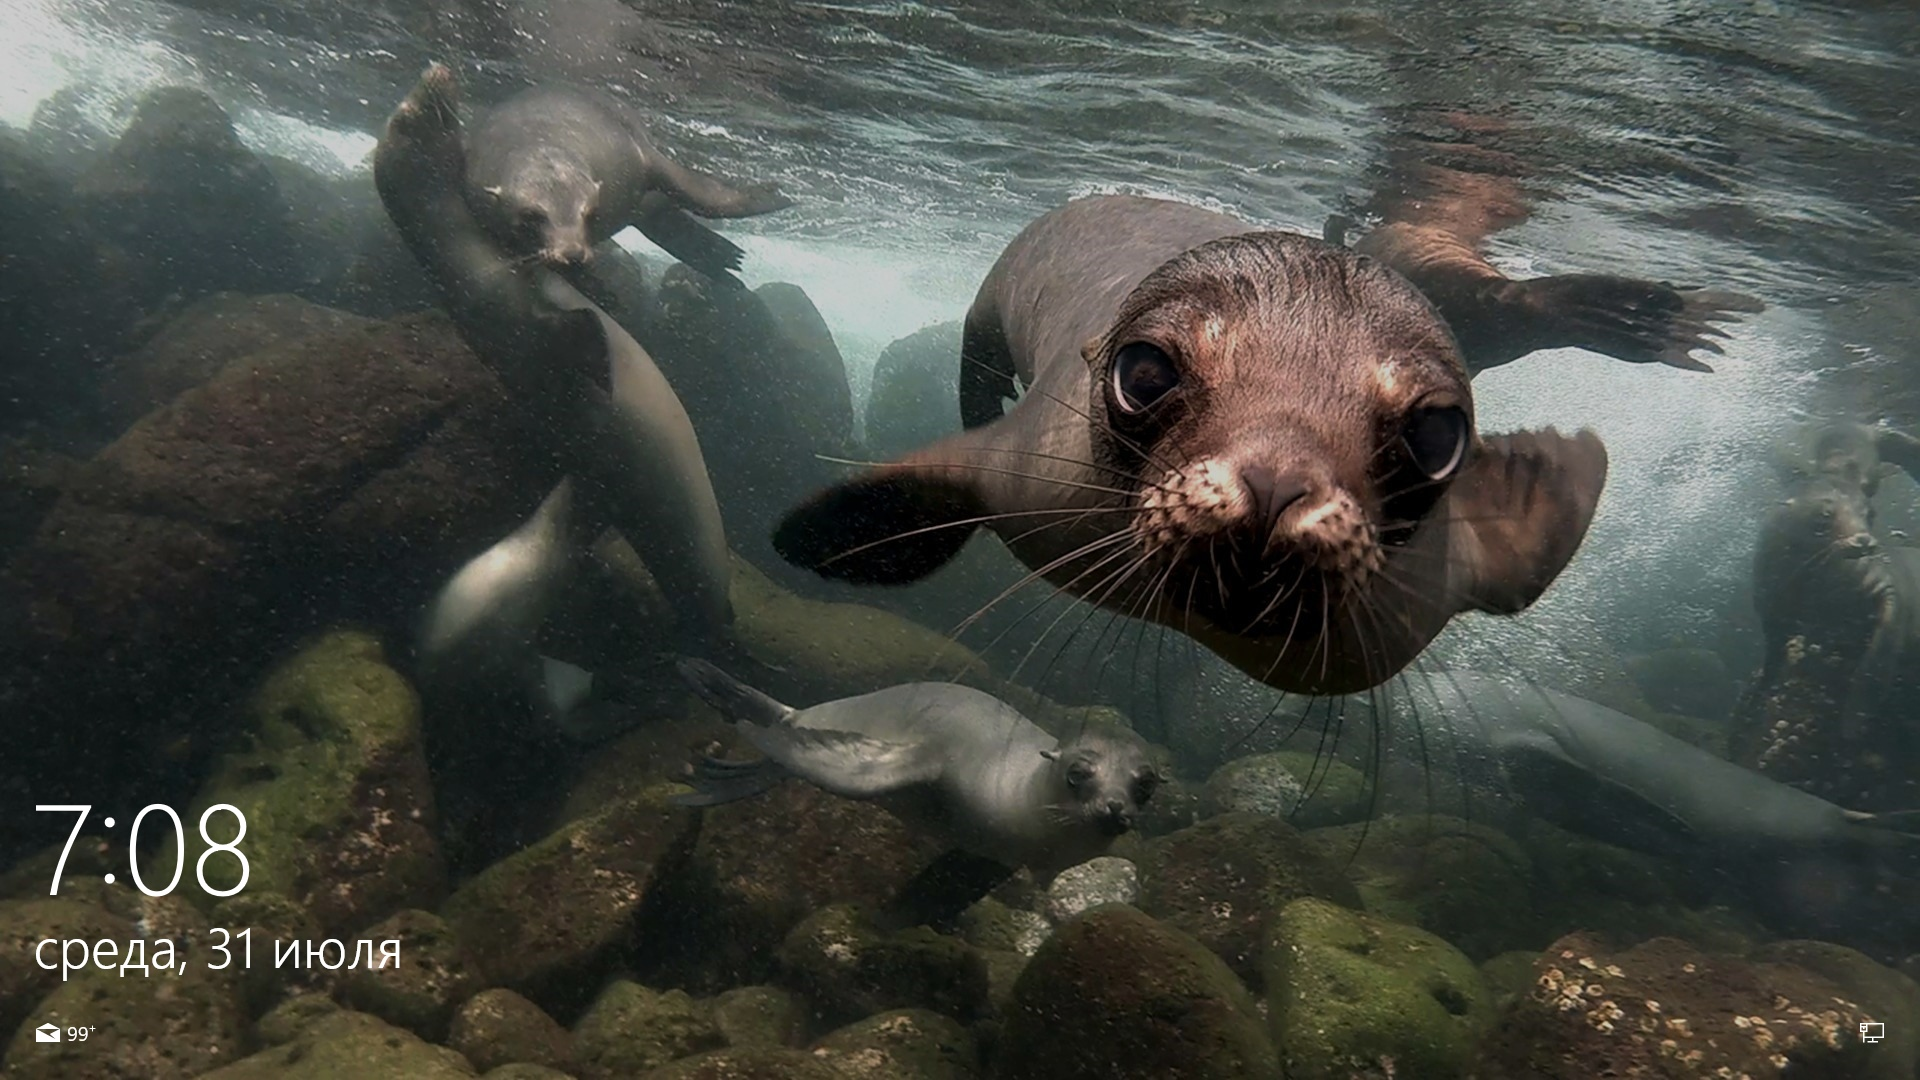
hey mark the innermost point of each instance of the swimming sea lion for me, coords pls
(600, 405)
(1438, 203)
(1602, 773)
(553, 171)
(1253, 437)
(957, 762)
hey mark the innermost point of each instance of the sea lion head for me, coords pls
(545, 208)
(1103, 778)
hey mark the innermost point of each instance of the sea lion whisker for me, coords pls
(1093, 609)
(1115, 470)
(1117, 537)
(968, 523)
(987, 469)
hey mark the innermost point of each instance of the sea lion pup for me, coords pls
(1439, 203)
(953, 761)
(552, 171)
(1602, 773)
(600, 405)
(1252, 437)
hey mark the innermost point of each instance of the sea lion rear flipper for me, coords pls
(891, 526)
(1641, 322)
(680, 236)
(710, 196)
(717, 781)
(1520, 509)
(936, 896)
(1561, 790)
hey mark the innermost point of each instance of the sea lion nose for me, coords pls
(1272, 492)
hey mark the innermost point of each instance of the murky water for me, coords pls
(244, 450)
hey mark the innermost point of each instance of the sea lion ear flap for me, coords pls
(1521, 507)
(893, 525)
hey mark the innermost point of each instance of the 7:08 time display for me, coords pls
(231, 847)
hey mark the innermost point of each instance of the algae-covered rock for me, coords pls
(1223, 878)
(1114, 995)
(758, 867)
(163, 1026)
(750, 1016)
(1353, 995)
(1306, 792)
(499, 1027)
(525, 1070)
(334, 791)
(26, 923)
(1508, 975)
(1467, 883)
(1888, 995)
(551, 920)
(849, 970)
(755, 1064)
(1665, 1009)
(349, 1044)
(632, 1028)
(272, 918)
(990, 924)
(904, 1044)
(1626, 897)
(821, 372)
(434, 975)
(288, 1019)
(915, 394)
(1105, 880)
(90, 856)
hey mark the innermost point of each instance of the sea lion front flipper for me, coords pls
(1520, 510)
(1567, 793)
(892, 525)
(679, 235)
(936, 896)
(731, 698)
(1641, 322)
(1899, 448)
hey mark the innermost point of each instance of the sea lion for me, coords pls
(593, 397)
(1602, 773)
(956, 762)
(1253, 437)
(1438, 203)
(553, 171)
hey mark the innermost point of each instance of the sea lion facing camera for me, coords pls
(553, 171)
(1253, 437)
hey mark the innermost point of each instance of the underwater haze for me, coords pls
(447, 631)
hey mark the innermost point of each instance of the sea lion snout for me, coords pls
(1116, 819)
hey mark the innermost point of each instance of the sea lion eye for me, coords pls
(1144, 787)
(1078, 774)
(1436, 439)
(1142, 375)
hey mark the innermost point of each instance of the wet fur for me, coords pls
(1297, 357)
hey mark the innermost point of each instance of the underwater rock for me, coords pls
(524, 1070)
(350, 1044)
(759, 866)
(847, 969)
(23, 925)
(990, 924)
(1469, 884)
(550, 921)
(435, 975)
(903, 1044)
(1290, 785)
(185, 208)
(1222, 879)
(1888, 995)
(291, 1017)
(659, 750)
(1105, 880)
(171, 1026)
(334, 789)
(760, 1063)
(817, 361)
(219, 526)
(632, 1028)
(1508, 975)
(1352, 995)
(1115, 995)
(203, 338)
(915, 398)
(1685, 679)
(90, 857)
(271, 917)
(1664, 1008)
(751, 1016)
(499, 1027)
(1625, 897)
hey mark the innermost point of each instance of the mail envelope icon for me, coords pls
(46, 1033)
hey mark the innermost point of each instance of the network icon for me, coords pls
(1872, 1031)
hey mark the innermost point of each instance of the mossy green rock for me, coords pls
(750, 1016)
(1887, 995)
(1468, 883)
(1508, 975)
(849, 970)
(1115, 995)
(291, 1017)
(271, 917)
(552, 920)
(632, 1028)
(334, 790)
(23, 925)
(350, 1044)
(419, 993)
(1222, 879)
(904, 1044)
(161, 1026)
(990, 924)
(1354, 995)
(499, 1027)
(1291, 785)
(758, 1064)
(525, 1070)
(1625, 897)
